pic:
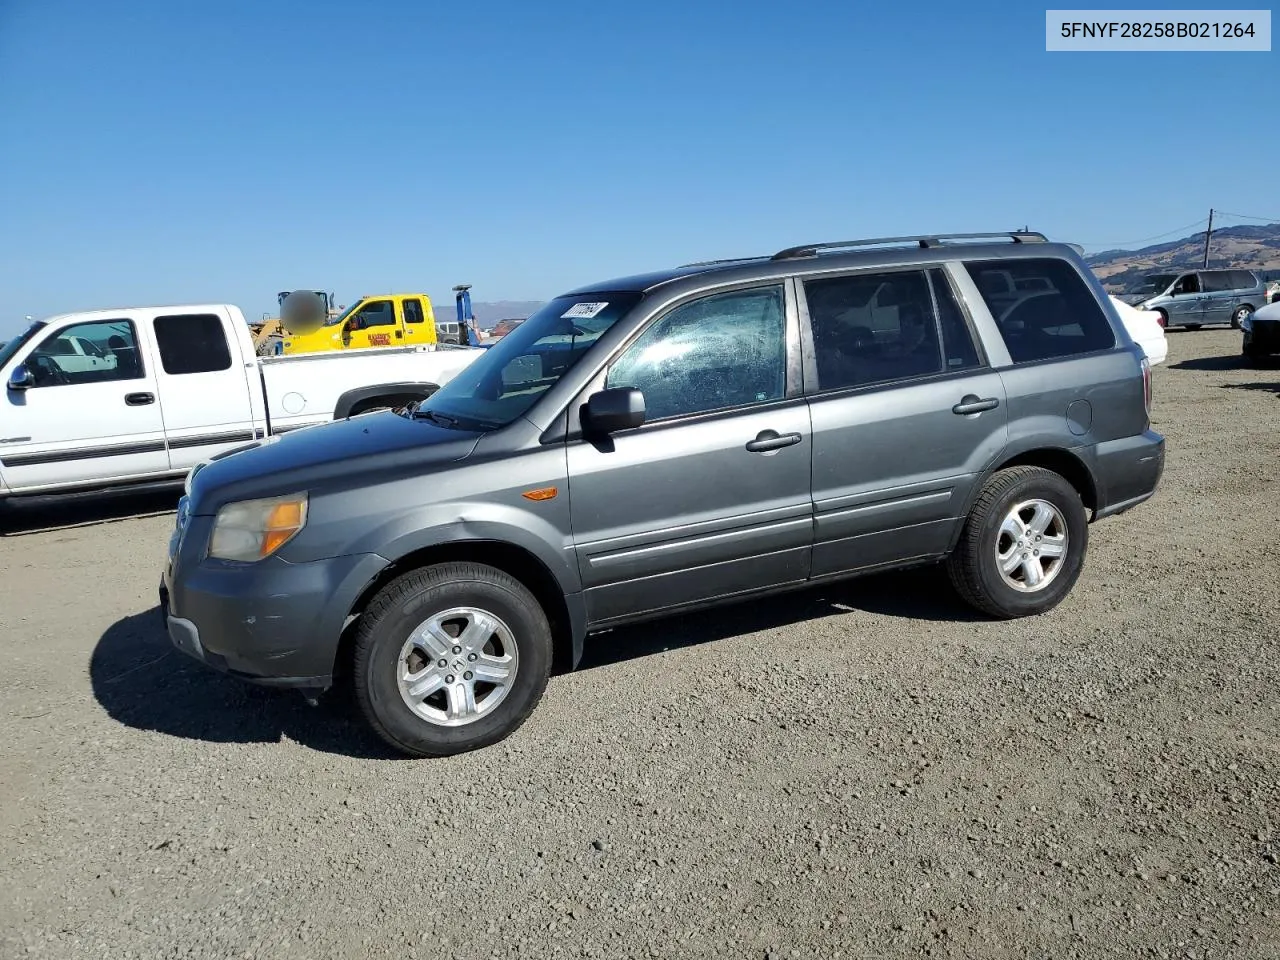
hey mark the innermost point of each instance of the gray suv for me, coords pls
(650, 445)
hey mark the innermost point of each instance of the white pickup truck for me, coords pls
(137, 396)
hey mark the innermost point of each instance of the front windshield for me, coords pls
(13, 346)
(508, 378)
(1154, 284)
(334, 321)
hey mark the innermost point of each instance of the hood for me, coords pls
(378, 444)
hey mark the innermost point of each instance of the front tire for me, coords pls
(451, 658)
(1023, 544)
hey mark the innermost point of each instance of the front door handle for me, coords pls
(767, 440)
(139, 399)
(399, 334)
(972, 404)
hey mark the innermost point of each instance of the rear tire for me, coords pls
(405, 644)
(997, 528)
(1239, 316)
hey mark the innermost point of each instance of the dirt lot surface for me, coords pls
(866, 771)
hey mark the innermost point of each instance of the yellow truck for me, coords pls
(383, 320)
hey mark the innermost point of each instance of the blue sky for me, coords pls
(166, 152)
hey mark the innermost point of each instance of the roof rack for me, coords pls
(712, 263)
(926, 241)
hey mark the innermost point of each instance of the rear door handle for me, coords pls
(139, 399)
(972, 404)
(767, 440)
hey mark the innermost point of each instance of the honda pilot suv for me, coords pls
(664, 442)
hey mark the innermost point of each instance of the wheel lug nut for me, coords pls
(443, 663)
(457, 649)
(449, 678)
(467, 675)
(471, 657)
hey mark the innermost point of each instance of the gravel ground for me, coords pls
(866, 771)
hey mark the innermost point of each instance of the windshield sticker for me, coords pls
(583, 311)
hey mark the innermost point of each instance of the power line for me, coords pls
(1241, 216)
(1159, 236)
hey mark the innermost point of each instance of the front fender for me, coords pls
(461, 522)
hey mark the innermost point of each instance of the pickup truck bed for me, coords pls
(139, 395)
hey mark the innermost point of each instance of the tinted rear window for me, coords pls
(1038, 323)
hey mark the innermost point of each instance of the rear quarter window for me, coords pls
(1051, 314)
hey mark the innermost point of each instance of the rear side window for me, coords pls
(1219, 281)
(413, 311)
(1063, 321)
(192, 343)
(880, 328)
(1243, 279)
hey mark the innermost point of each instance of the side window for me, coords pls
(1064, 321)
(959, 351)
(873, 328)
(1187, 283)
(721, 351)
(1243, 280)
(379, 313)
(100, 351)
(192, 343)
(413, 311)
(1218, 281)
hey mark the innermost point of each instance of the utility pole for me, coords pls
(1207, 233)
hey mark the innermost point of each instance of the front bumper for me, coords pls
(1262, 338)
(273, 623)
(1128, 471)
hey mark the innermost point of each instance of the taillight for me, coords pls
(1146, 386)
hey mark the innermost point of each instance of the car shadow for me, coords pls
(918, 594)
(21, 517)
(1264, 387)
(1231, 362)
(144, 682)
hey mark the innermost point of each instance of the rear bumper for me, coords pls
(1128, 471)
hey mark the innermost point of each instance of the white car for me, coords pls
(1145, 327)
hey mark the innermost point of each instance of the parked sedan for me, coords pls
(504, 327)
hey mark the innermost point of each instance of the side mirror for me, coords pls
(21, 378)
(609, 411)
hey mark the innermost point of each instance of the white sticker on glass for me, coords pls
(583, 311)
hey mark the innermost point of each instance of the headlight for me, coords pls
(254, 529)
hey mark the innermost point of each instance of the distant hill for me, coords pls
(1253, 248)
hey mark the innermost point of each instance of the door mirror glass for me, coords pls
(618, 408)
(21, 378)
